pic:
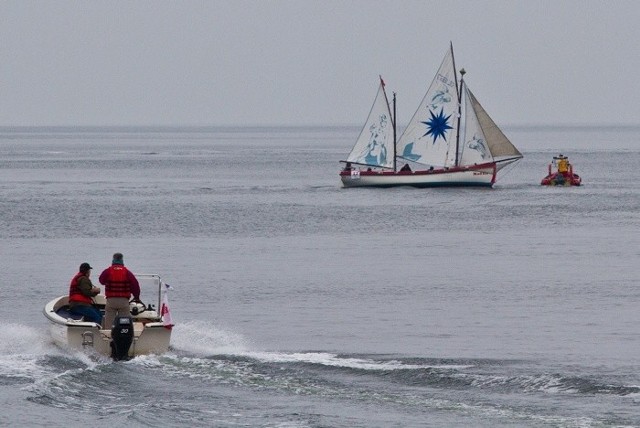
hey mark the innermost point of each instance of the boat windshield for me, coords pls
(150, 289)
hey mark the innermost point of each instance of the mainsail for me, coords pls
(430, 136)
(374, 146)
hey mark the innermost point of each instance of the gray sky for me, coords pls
(312, 62)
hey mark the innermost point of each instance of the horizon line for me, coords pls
(275, 125)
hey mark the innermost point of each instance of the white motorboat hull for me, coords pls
(150, 334)
(472, 176)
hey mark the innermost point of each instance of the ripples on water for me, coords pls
(299, 303)
(243, 387)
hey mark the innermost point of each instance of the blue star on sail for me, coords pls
(437, 125)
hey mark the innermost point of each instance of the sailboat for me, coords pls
(449, 141)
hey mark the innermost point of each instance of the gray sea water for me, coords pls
(299, 303)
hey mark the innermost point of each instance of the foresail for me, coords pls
(430, 136)
(374, 145)
(498, 144)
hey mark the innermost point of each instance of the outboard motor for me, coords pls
(121, 338)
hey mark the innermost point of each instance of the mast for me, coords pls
(393, 121)
(462, 73)
(459, 95)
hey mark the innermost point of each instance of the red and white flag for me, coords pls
(165, 313)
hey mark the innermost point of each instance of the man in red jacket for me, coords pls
(119, 285)
(81, 293)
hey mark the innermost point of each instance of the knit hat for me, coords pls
(118, 259)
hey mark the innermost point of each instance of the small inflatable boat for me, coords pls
(563, 174)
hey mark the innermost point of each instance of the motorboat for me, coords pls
(561, 173)
(146, 331)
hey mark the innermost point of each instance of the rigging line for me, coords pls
(507, 169)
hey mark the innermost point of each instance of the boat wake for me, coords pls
(200, 349)
(23, 349)
(218, 363)
(203, 339)
(209, 346)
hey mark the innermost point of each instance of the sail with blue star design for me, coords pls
(430, 136)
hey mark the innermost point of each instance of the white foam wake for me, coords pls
(205, 339)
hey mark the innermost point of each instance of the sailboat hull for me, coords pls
(472, 176)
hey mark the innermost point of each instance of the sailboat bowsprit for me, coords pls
(449, 141)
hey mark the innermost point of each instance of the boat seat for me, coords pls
(64, 313)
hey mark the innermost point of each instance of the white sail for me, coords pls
(430, 136)
(473, 147)
(478, 125)
(374, 145)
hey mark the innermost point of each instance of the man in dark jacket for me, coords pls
(81, 293)
(119, 285)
